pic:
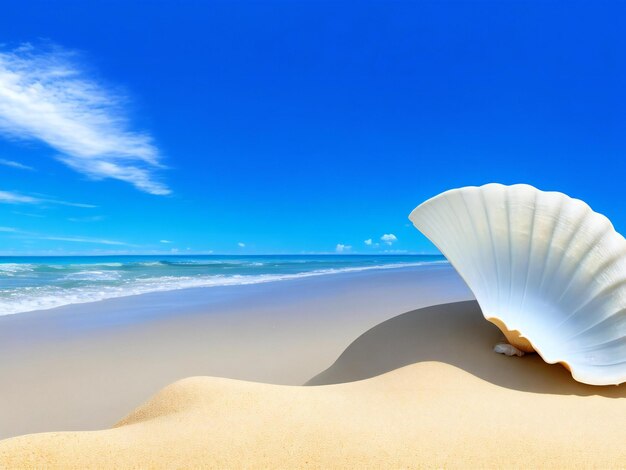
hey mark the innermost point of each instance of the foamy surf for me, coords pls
(45, 283)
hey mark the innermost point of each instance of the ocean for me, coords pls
(39, 283)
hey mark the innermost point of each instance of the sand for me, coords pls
(83, 367)
(428, 393)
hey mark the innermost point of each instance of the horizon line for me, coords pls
(217, 254)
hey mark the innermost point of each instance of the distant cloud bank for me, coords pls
(46, 95)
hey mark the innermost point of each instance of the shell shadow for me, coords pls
(456, 334)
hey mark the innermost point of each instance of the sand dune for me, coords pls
(427, 414)
(459, 405)
(455, 334)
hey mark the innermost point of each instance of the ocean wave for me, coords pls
(10, 269)
(25, 299)
(93, 276)
(93, 265)
(205, 263)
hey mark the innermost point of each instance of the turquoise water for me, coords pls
(36, 283)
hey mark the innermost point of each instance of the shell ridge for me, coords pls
(597, 346)
(618, 311)
(478, 271)
(550, 252)
(446, 217)
(530, 251)
(493, 246)
(453, 220)
(577, 269)
(437, 220)
(570, 239)
(602, 294)
(610, 364)
(507, 202)
(477, 236)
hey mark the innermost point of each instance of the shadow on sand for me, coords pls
(456, 334)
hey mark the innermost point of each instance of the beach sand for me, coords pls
(457, 405)
(85, 366)
(419, 389)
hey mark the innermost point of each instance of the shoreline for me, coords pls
(149, 275)
(97, 361)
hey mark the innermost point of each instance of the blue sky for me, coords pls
(293, 127)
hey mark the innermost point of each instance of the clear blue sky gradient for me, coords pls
(295, 126)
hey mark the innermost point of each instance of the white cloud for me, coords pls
(99, 241)
(241, 245)
(48, 96)
(17, 165)
(93, 218)
(36, 236)
(166, 241)
(389, 238)
(27, 214)
(368, 242)
(9, 197)
(340, 248)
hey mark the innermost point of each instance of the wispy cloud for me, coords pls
(98, 241)
(17, 165)
(368, 242)
(37, 236)
(47, 95)
(93, 218)
(241, 245)
(166, 241)
(10, 197)
(27, 214)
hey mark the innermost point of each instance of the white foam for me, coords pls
(26, 299)
(93, 276)
(10, 269)
(94, 265)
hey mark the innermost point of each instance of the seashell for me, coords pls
(545, 268)
(507, 349)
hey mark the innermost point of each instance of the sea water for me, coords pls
(38, 283)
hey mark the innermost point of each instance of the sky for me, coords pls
(295, 126)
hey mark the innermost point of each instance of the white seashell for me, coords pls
(507, 349)
(545, 268)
